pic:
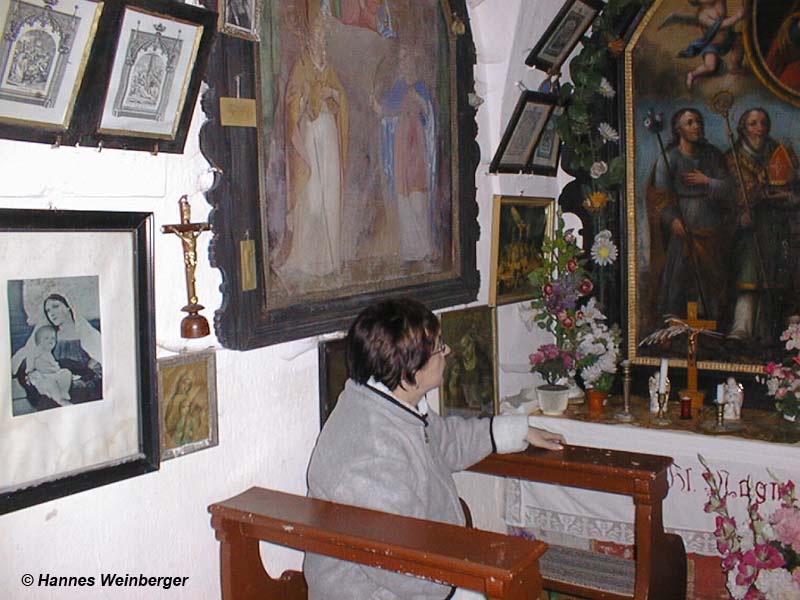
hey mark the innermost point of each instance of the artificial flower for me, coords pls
(783, 379)
(606, 90)
(607, 132)
(596, 201)
(616, 46)
(604, 250)
(598, 169)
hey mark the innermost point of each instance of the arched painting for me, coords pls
(712, 188)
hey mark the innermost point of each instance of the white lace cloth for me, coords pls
(552, 510)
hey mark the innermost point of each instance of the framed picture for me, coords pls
(333, 374)
(515, 153)
(77, 362)
(304, 244)
(563, 34)
(740, 270)
(44, 50)
(240, 18)
(519, 227)
(470, 377)
(187, 403)
(544, 160)
(768, 28)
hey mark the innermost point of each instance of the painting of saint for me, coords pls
(712, 178)
(356, 128)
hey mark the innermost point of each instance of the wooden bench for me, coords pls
(499, 566)
(658, 571)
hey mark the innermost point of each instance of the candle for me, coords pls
(720, 393)
(662, 377)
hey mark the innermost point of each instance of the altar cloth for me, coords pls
(555, 511)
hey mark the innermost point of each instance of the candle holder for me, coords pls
(625, 415)
(661, 419)
(193, 324)
(720, 425)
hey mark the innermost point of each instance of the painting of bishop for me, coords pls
(713, 177)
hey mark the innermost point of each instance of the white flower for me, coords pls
(737, 591)
(599, 168)
(604, 250)
(606, 90)
(607, 132)
(777, 584)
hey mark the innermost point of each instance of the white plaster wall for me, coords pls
(157, 524)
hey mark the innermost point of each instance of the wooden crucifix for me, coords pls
(696, 326)
(193, 325)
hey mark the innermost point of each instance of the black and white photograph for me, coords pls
(563, 34)
(153, 64)
(548, 150)
(56, 346)
(240, 18)
(44, 49)
(78, 404)
(526, 126)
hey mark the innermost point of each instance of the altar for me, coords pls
(603, 522)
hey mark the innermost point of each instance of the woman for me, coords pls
(381, 448)
(78, 348)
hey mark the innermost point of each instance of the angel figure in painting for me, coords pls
(718, 39)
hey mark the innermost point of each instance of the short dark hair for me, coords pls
(741, 127)
(676, 136)
(390, 341)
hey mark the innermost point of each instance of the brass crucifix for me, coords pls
(695, 328)
(193, 325)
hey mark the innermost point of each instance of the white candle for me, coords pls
(720, 393)
(662, 377)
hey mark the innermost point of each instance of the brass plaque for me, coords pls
(247, 249)
(237, 112)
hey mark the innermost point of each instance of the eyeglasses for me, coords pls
(441, 346)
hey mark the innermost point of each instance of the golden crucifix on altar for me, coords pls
(193, 324)
(693, 327)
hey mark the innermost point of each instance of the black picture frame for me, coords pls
(84, 127)
(241, 246)
(563, 33)
(104, 244)
(333, 373)
(516, 150)
(240, 18)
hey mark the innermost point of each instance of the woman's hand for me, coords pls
(541, 438)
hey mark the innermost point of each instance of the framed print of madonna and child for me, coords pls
(712, 175)
(356, 179)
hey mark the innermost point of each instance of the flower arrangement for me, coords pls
(562, 283)
(598, 349)
(762, 558)
(552, 362)
(783, 379)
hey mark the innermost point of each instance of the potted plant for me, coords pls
(598, 353)
(783, 379)
(552, 363)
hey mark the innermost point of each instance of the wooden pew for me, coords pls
(500, 566)
(659, 569)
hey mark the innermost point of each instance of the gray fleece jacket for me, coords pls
(377, 454)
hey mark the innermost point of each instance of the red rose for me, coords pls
(572, 265)
(586, 287)
(548, 289)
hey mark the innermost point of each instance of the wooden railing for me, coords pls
(499, 566)
(658, 571)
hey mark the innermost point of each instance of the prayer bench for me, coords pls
(499, 566)
(658, 571)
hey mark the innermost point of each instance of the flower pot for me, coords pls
(553, 399)
(597, 399)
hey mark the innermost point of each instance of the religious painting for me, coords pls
(714, 200)
(352, 185)
(469, 386)
(187, 403)
(77, 361)
(519, 227)
(772, 44)
(152, 67)
(333, 373)
(544, 160)
(563, 34)
(240, 18)
(44, 49)
(519, 147)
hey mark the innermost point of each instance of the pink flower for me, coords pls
(771, 368)
(786, 525)
(730, 561)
